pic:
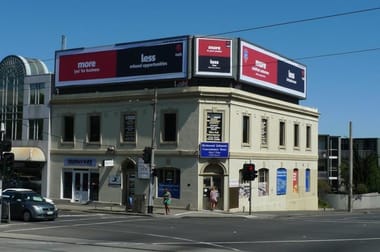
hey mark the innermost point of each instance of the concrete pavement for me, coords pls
(110, 208)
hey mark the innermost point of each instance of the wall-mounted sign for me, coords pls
(214, 128)
(213, 150)
(80, 162)
(213, 57)
(265, 69)
(108, 163)
(147, 60)
(114, 180)
(143, 170)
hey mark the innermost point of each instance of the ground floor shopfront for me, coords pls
(189, 179)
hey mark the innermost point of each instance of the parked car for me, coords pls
(28, 205)
(26, 190)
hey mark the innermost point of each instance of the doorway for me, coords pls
(129, 179)
(213, 177)
(81, 186)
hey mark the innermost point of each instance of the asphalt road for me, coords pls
(78, 231)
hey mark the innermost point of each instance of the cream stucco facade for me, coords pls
(108, 170)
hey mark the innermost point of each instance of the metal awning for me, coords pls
(28, 154)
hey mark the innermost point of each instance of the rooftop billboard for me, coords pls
(147, 60)
(213, 57)
(265, 69)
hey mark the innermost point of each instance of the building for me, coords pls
(25, 85)
(329, 161)
(213, 113)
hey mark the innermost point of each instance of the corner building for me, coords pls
(208, 122)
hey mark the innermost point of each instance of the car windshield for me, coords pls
(34, 197)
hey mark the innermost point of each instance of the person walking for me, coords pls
(213, 198)
(167, 200)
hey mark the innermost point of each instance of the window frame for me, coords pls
(65, 137)
(124, 127)
(165, 128)
(94, 133)
(282, 134)
(246, 126)
(296, 136)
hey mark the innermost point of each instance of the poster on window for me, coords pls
(129, 128)
(307, 180)
(214, 127)
(173, 189)
(295, 180)
(281, 181)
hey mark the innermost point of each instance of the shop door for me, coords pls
(81, 188)
(210, 181)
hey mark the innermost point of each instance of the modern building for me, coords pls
(329, 160)
(25, 86)
(219, 104)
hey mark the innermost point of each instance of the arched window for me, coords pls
(263, 182)
(295, 180)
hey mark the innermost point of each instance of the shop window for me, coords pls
(295, 180)
(169, 178)
(263, 182)
(67, 184)
(307, 180)
(170, 127)
(281, 181)
(68, 128)
(36, 129)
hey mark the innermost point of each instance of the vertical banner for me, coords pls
(281, 181)
(295, 180)
(307, 180)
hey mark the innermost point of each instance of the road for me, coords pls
(78, 231)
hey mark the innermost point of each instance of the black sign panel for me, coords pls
(214, 127)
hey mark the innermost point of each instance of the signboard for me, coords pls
(214, 150)
(173, 189)
(149, 60)
(214, 127)
(213, 57)
(80, 162)
(143, 170)
(268, 70)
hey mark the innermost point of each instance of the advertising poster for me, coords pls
(213, 57)
(307, 180)
(262, 68)
(158, 59)
(281, 181)
(295, 180)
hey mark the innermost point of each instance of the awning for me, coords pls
(28, 154)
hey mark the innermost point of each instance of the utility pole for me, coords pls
(152, 165)
(351, 169)
(2, 130)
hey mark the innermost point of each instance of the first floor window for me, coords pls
(36, 129)
(308, 137)
(170, 127)
(94, 128)
(68, 128)
(246, 129)
(282, 134)
(129, 125)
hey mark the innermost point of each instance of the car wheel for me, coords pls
(27, 216)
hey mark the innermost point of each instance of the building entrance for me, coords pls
(213, 177)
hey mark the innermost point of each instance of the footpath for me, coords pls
(109, 208)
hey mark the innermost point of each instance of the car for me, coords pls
(28, 205)
(26, 190)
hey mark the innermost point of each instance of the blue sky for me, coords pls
(343, 88)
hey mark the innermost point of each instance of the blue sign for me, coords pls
(281, 181)
(214, 150)
(82, 162)
(173, 189)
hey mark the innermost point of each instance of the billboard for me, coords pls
(147, 60)
(268, 70)
(213, 57)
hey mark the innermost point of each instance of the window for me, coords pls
(214, 127)
(308, 137)
(295, 180)
(129, 126)
(170, 127)
(281, 181)
(94, 128)
(307, 180)
(264, 131)
(68, 128)
(169, 178)
(282, 134)
(37, 93)
(296, 136)
(263, 182)
(36, 129)
(245, 129)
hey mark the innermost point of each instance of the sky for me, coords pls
(343, 87)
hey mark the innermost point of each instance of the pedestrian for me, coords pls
(167, 200)
(213, 198)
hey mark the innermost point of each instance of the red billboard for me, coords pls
(268, 70)
(148, 60)
(213, 57)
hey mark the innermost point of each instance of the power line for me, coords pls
(297, 21)
(338, 54)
